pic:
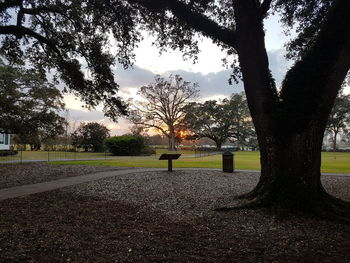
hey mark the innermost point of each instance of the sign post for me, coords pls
(170, 157)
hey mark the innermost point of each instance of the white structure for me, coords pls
(4, 141)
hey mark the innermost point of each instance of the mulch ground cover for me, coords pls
(12, 175)
(60, 226)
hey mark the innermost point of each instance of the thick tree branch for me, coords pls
(20, 15)
(197, 21)
(264, 8)
(311, 86)
(261, 92)
(24, 31)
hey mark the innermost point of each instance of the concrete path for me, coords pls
(23, 190)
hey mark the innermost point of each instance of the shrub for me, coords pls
(125, 145)
(148, 151)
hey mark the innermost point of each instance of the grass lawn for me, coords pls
(339, 163)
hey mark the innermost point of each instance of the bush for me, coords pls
(8, 152)
(148, 151)
(214, 149)
(125, 145)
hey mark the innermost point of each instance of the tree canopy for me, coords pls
(90, 136)
(71, 37)
(29, 104)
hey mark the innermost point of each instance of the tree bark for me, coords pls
(335, 135)
(218, 144)
(172, 146)
(290, 169)
(291, 177)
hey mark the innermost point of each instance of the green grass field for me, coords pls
(331, 163)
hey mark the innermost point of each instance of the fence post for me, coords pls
(21, 155)
(48, 155)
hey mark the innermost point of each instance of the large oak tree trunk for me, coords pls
(290, 169)
(290, 124)
(291, 177)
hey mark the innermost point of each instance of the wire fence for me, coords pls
(23, 156)
(36, 156)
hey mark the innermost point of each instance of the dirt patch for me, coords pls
(30, 173)
(158, 217)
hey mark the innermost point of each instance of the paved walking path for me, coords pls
(23, 190)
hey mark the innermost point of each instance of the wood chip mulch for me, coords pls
(157, 217)
(12, 175)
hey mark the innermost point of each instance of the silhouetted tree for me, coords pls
(29, 105)
(220, 121)
(339, 119)
(90, 136)
(163, 105)
(69, 36)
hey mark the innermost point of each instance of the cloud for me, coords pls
(133, 76)
(78, 116)
(278, 64)
(211, 84)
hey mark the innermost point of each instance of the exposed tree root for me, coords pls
(332, 208)
(321, 205)
(243, 205)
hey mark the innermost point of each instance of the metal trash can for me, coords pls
(228, 162)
